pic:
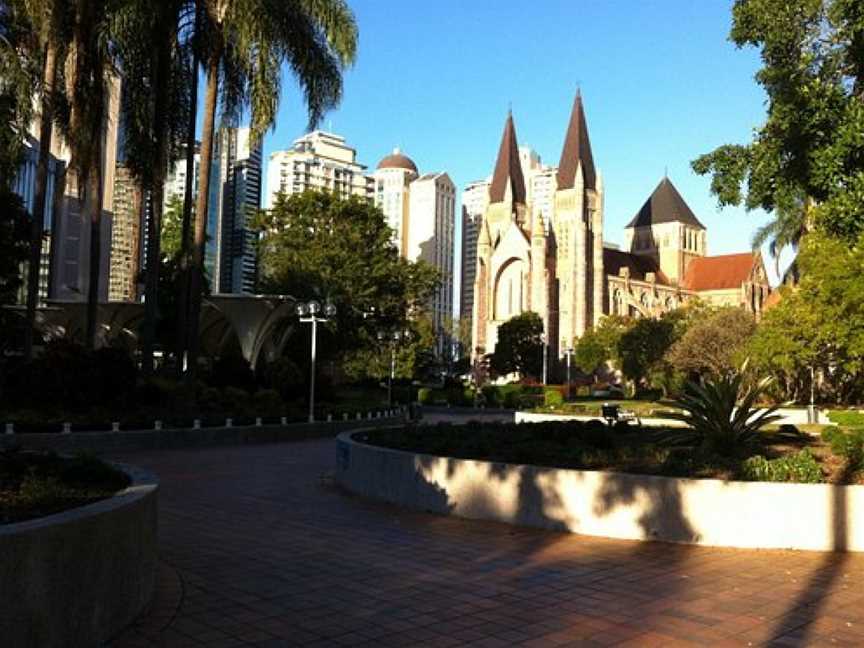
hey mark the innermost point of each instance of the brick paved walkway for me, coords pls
(261, 549)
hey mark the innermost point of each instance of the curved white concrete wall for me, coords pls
(615, 505)
(789, 416)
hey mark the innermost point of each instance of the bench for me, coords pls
(614, 414)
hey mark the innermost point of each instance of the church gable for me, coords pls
(513, 243)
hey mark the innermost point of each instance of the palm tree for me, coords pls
(155, 102)
(87, 89)
(246, 42)
(790, 225)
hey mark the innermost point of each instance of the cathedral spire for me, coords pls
(508, 168)
(577, 150)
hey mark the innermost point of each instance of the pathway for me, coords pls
(261, 549)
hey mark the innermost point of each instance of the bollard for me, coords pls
(157, 425)
(344, 416)
(329, 418)
(67, 428)
(196, 424)
(10, 428)
(369, 416)
(358, 416)
(257, 421)
(115, 426)
(284, 420)
(229, 422)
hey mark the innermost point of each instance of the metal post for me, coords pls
(312, 376)
(392, 375)
(568, 373)
(545, 360)
(812, 417)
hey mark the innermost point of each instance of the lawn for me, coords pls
(35, 484)
(783, 454)
(592, 406)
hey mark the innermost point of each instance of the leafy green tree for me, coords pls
(317, 246)
(519, 348)
(599, 345)
(806, 163)
(713, 344)
(643, 346)
(818, 325)
(244, 44)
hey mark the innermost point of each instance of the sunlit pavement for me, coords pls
(260, 548)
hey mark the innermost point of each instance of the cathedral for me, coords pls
(560, 268)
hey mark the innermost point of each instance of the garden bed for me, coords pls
(36, 484)
(782, 454)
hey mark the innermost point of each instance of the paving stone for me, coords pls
(258, 550)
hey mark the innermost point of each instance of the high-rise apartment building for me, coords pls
(318, 161)
(235, 186)
(126, 235)
(475, 199)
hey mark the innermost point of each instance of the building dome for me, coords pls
(398, 161)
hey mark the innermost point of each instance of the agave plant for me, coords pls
(721, 412)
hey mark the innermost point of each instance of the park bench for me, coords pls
(614, 414)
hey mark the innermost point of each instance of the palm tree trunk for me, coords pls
(93, 202)
(196, 270)
(183, 296)
(157, 192)
(37, 223)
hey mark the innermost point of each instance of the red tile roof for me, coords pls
(718, 272)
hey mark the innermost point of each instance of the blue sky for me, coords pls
(660, 81)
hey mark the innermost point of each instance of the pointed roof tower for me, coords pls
(577, 149)
(665, 205)
(508, 168)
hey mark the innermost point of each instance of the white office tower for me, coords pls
(432, 205)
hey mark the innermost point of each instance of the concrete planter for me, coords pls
(819, 517)
(79, 577)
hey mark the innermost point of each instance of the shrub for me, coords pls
(235, 401)
(424, 396)
(801, 467)
(721, 412)
(847, 444)
(552, 398)
(267, 402)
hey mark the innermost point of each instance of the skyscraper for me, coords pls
(475, 199)
(25, 186)
(421, 212)
(317, 161)
(126, 243)
(235, 186)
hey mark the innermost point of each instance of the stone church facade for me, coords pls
(563, 271)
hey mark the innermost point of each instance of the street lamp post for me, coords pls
(545, 360)
(568, 352)
(395, 337)
(308, 313)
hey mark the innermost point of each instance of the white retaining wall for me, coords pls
(615, 505)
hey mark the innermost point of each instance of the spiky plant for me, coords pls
(721, 412)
